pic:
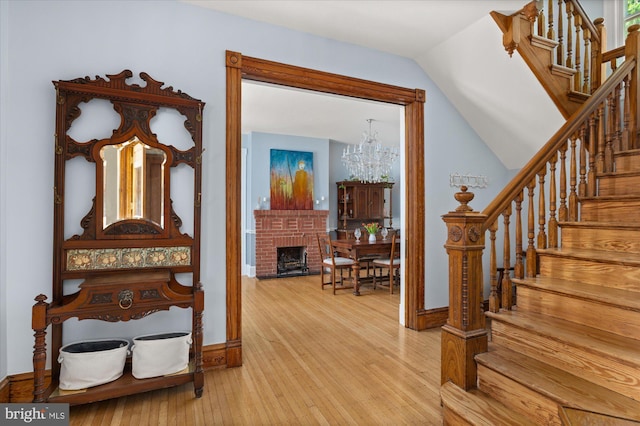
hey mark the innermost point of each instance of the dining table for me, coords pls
(357, 249)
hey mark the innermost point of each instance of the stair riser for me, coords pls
(627, 163)
(608, 211)
(451, 418)
(597, 273)
(522, 399)
(618, 185)
(595, 367)
(623, 322)
(617, 240)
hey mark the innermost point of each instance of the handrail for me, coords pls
(586, 22)
(530, 170)
(612, 54)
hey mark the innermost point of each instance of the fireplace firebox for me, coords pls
(292, 261)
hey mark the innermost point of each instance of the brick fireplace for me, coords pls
(287, 228)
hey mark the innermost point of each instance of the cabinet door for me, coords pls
(376, 202)
(361, 202)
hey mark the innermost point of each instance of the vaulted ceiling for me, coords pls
(456, 43)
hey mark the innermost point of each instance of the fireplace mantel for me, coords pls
(287, 228)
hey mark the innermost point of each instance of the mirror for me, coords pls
(133, 182)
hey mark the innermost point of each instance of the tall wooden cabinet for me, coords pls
(130, 250)
(360, 203)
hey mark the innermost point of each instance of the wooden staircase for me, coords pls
(565, 56)
(573, 339)
(568, 351)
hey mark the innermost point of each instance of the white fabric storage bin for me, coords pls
(156, 355)
(91, 363)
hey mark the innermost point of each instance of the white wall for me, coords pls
(184, 46)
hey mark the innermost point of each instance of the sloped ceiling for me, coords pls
(457, 44)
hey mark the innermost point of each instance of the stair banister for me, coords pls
(539, 161)
(597, 127)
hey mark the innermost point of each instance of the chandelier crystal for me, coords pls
(369, 162)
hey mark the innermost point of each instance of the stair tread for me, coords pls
(626, 197)
(625, 173)
(574, 416)
(623, 349)
(623, 298)
(565, 388)
(604, 225)
(605, 256)
(627, 152)
(479, 408)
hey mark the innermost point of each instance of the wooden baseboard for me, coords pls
(21, 386)
(5, 389)
(214, 356)
(432, 318)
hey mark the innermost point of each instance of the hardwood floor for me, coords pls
(309, 358)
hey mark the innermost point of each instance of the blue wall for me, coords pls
(185, 46)
(259, 147)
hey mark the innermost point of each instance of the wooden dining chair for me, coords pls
(331, 264)
(392, 264)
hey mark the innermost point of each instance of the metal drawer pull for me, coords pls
(125, 299)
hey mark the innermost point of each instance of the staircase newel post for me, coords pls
(632, 51)
(464, 335)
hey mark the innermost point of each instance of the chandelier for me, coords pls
(369, 162)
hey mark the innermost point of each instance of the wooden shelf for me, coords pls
(125, 385)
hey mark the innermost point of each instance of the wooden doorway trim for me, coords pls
(243, 67)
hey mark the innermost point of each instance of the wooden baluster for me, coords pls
(627, 117)
(586, 35)
(494, 300)
(539, 29)
(531, 250)
(563, 213)
(617, 122)
(518, 269)
(553, 223)
(573, 197)
(582, 186)
(601, 139)
(507, 292)
(569, 62)
(577, 77)
(550, 33)
(608, 146)
(542, 235)
(560, 46)
(632, 50)
(591, 173)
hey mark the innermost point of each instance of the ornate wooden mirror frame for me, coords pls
(136, 106)
(239, 67)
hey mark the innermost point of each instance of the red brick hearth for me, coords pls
(287, 228)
